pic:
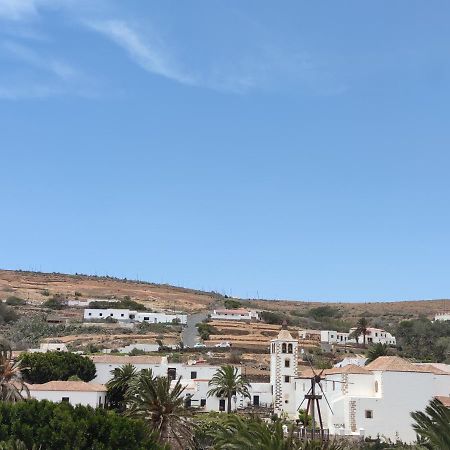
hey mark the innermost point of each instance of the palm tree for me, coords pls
(119, 384)
(361, 328)
(226, 382)
(377, 350)
(237, 433)
(433, 425)
(161, 407)
(12, 386)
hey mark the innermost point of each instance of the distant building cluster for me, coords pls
(126, 315)
(373, 336)
(442, 317)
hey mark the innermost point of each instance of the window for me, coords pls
(203, 402)
(289, 348)
(89, 314)
(65, 399)
(283, 348)
(111, 314)
(222, 404)
(101, 314)
(256, 400)
(287, 363)
(172, 373)
(122, 315)
(286, 378)
(369, 414)
(146, 318)
(334, 385)
(193, 375)
(376, 386)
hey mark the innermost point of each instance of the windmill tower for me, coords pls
(283, 370)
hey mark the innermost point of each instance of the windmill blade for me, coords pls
(304, 398)
(325, 397)
(336, 381)
(312, 368)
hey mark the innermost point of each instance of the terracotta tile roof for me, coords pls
(284, 335)
(123, 359)
(350, 368)
(397, 364)
(444, 400)
(78, 386)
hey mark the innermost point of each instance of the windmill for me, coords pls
(313, 405)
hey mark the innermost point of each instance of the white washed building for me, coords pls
(49, 347)
(73, 392)
(373, 336)
(234, 314)
(195, 376)
(129, 315)
(443, 317)
(376, 400)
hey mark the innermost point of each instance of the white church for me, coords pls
(362, 400)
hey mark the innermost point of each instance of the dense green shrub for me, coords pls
(60, 426)
(424, 340)
(15, 301)
(125, 303)
(322, 312)
(232, 304)
(43, 367)
(7, 314)
(205, 329)
(56, 302)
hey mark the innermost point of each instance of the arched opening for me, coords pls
(283, 348)
(376, 386)
(289, 348)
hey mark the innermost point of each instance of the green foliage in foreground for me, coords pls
(44, 367)
(433, 425)
(60, 426)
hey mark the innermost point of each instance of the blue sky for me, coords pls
(297, 150)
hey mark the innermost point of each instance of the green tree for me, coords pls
(119, 384)
(226, 382)
(232, 304)
(161, 406)
(376, 351)
(44, 367)
(12, 386)
(60, 426)
(433, 425)
(361, 328)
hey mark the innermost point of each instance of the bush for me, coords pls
(56, 302)
(78, 294)
(60, 426)
(232, 304)
(205, 329)
(324, 312)
(15, 301)
(44, 367)
(7, 314)
(125, 303)
(45, 292)
(272, 317)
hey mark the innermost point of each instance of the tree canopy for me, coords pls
(44, 367)
(60, 426)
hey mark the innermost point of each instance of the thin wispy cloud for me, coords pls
(251, 67)
(57, 67)
(17, 9)
(148, 55)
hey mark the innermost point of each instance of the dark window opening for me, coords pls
(193, 375)
(256, 400)
(171, 373)
(65, 399)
